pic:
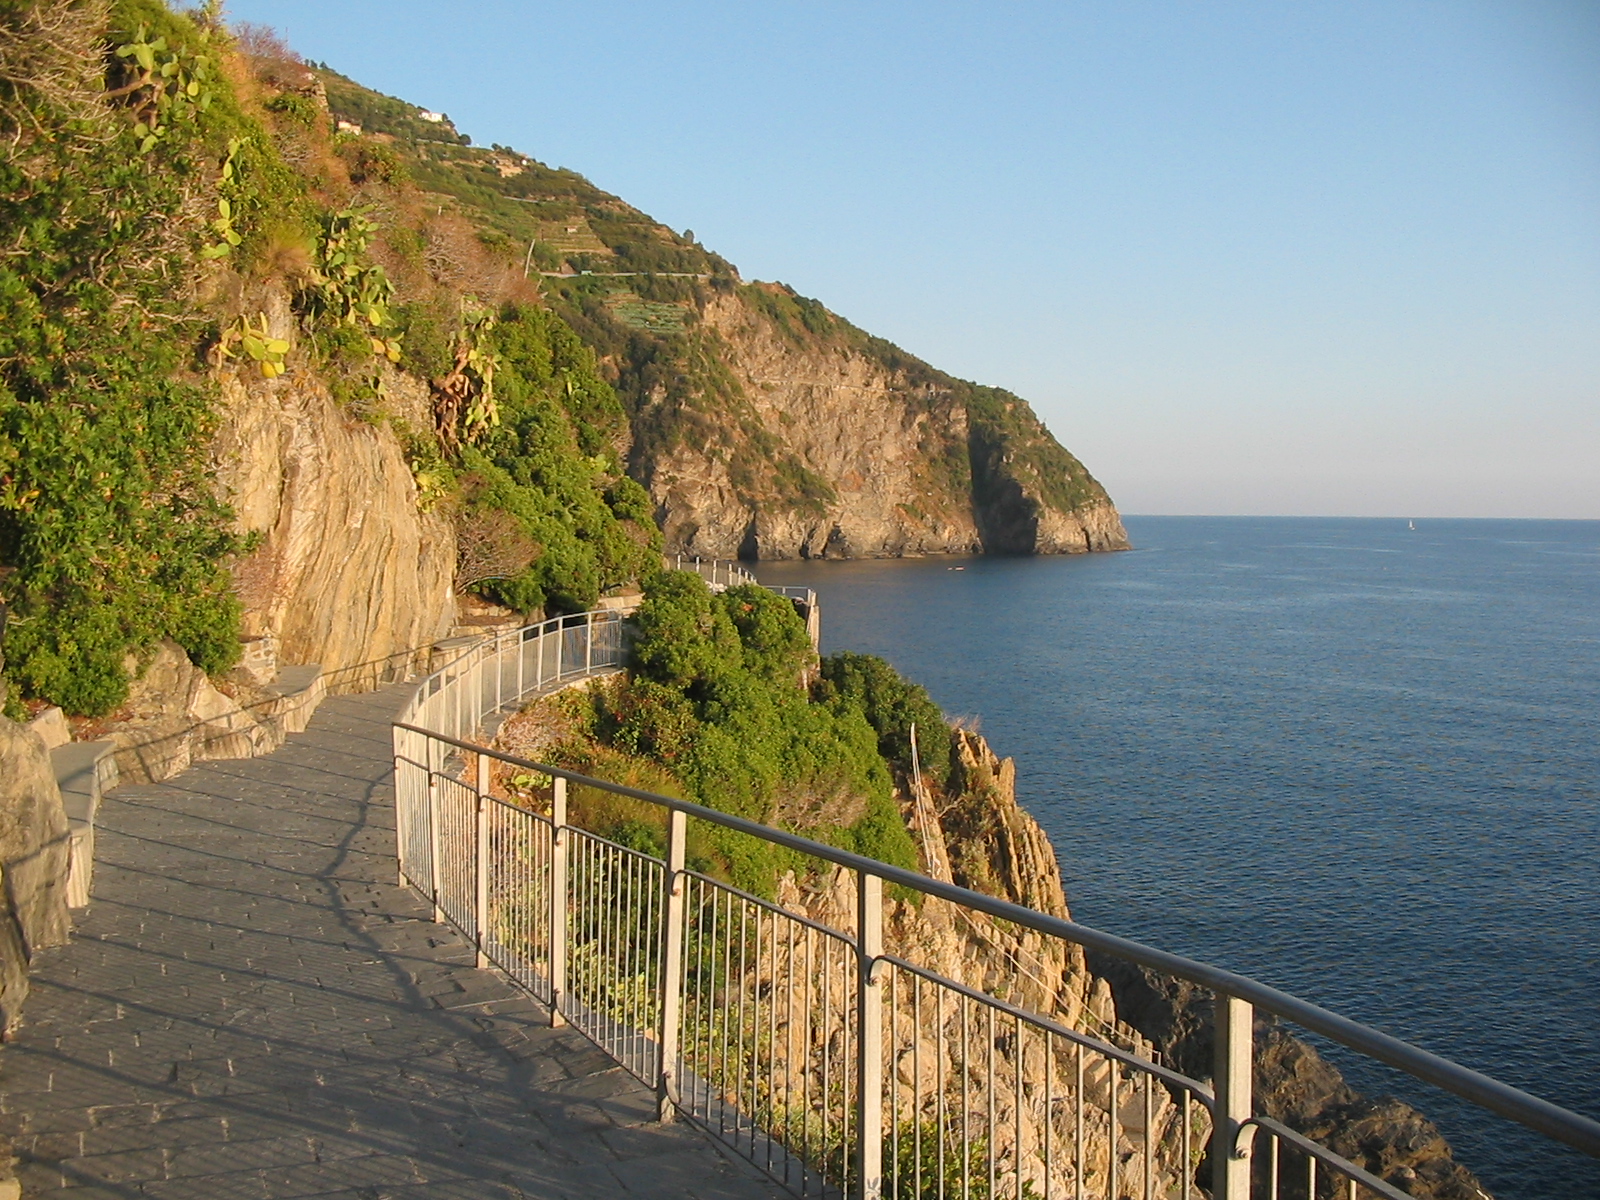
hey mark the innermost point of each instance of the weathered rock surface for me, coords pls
(175, 716)
(864, 458)
(1295, 1085)
(350, 573)
(33, 862)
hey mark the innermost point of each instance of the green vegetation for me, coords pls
(892, 705)
(719, 704)
(377, 113)
(151, 207)
(110, 537)
(550, 460)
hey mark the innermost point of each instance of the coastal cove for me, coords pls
(1348, 759)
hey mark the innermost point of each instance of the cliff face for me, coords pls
(815, 441)
(349, 571)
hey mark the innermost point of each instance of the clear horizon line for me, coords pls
(1336, 517)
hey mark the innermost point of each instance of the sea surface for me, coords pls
(1352, 760)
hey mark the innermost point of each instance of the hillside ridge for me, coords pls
(756, 413)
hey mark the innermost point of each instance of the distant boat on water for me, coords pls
(1411, 525)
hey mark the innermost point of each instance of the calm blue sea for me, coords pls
(1357, 762)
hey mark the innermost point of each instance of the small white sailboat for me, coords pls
(1411, 525)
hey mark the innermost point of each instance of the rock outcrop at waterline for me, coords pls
(1295, 1085)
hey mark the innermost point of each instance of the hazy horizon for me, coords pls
(1243, 259)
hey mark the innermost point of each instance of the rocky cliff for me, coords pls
(1294, 1084)
(348, 570)
(814, 441)
(763, 425)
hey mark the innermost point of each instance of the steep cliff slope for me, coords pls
(762, 424)
(842, 446)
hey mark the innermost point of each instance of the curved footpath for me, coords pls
(253, 1008)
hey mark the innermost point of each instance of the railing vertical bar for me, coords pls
(1186, 1169)
(1078, 1106)
(966, 1103)
(433, 832)
(807, 1149)
(480, 906)
(763, 1058)
(669, 1091)
(893, 1082)
(789, 1050)
(827, 1045)
(1149, 1127)
(1113, 1138)
(940, 1136)
(1016, 1105)
(1231, 1074)
(916, 1092)
(1048, 1109)
(869, 1034)
(558, 901)
(989, 1127)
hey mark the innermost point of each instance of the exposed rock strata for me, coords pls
(349, 571)
(897, 463)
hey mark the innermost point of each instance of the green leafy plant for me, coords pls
(346, 288)
(223, 224)
(256, 343)
(170, 83)
(464, 401)
(718, 696)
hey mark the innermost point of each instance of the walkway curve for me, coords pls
(252, 1007)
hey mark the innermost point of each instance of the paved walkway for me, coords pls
(252, 1008)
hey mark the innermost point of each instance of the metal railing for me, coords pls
(828, 1057)
(719, 573)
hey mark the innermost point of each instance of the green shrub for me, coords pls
(891, 704)
(717, 696)
(551, 463)
(108, 522)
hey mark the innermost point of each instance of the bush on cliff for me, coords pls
(552, 463)
(892, 705)
(718, 696)
(121, 174)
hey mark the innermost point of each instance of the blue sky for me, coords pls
(1315, 257)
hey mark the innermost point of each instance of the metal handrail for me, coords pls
(718, 573)
(1522, 1107)
(440, 853)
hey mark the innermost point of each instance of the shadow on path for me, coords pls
(251, 1007)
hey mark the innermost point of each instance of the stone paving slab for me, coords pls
(252, 1008)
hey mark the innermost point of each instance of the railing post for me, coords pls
(869, 1037)
(1231, 1077)
(561, 636)
(433, 832)
(480, 906)
(403, 804)
(588, 642)
(558, 898)
(667, 1092)
(522, 654)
